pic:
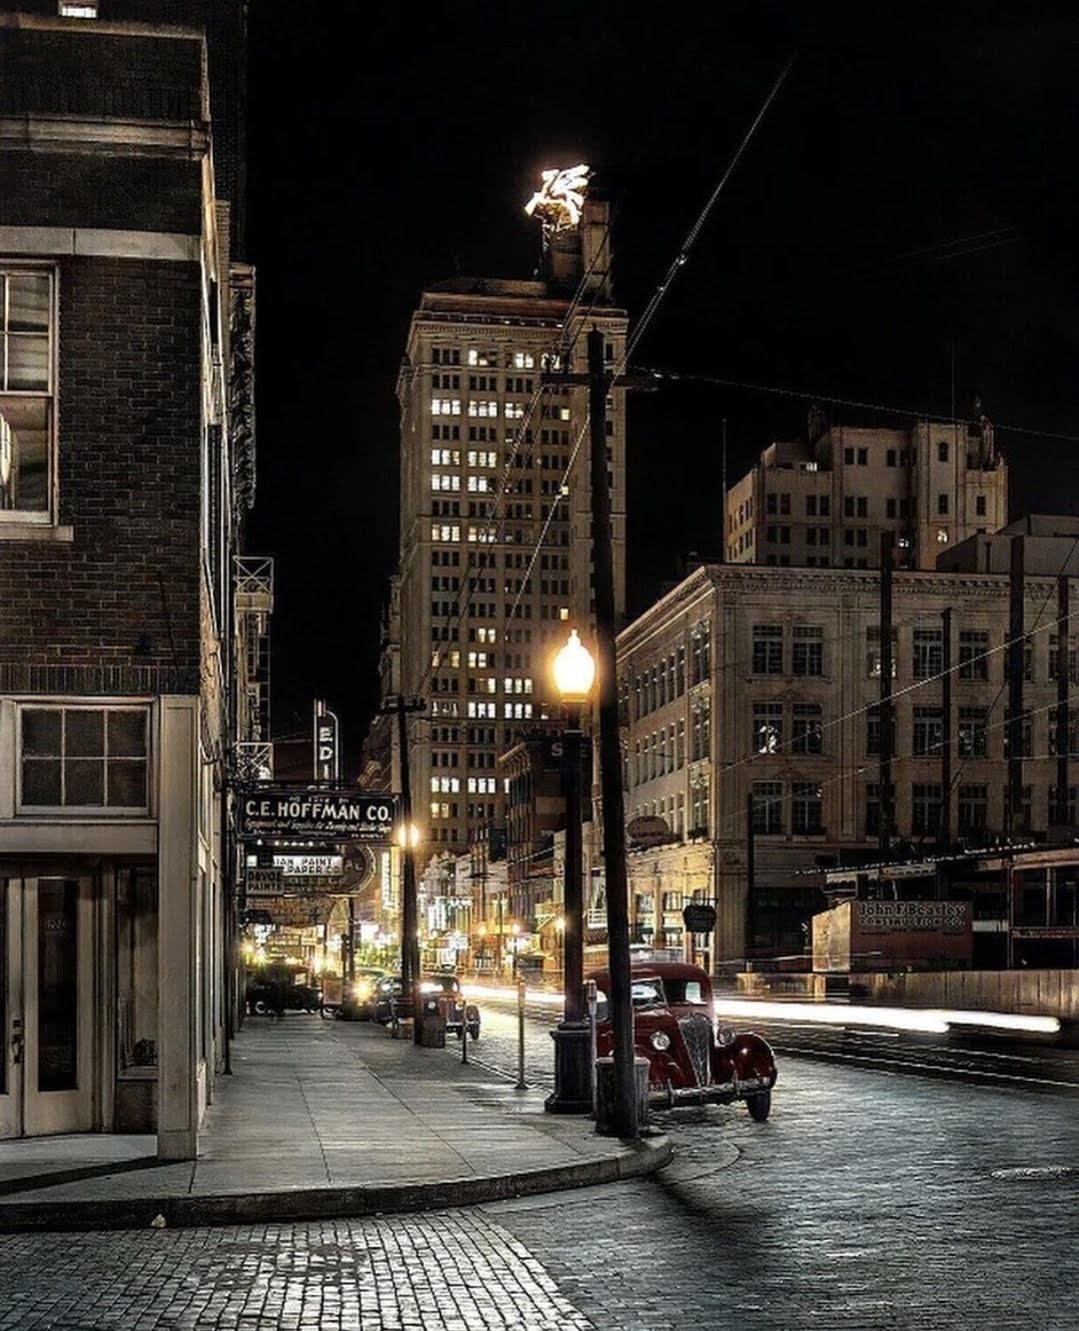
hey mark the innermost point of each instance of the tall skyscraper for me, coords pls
(495, 543)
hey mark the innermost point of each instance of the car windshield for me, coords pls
(647, 992)
(643, 993)
(433, 984)
(685, 991)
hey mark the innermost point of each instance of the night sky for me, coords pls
(903, 225)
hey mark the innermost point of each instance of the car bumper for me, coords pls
(724, 1093)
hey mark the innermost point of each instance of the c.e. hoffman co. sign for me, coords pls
(317, 815)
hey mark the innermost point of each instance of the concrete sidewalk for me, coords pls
(319, 1119)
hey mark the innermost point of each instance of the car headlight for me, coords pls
(661, 1040)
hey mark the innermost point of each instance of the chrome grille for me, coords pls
(697, 1033)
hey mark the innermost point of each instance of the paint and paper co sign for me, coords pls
(318, 815)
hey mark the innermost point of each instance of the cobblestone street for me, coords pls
(868, 1202)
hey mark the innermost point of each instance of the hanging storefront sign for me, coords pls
(699, 917)
(318, 815)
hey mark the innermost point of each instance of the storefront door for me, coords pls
(46, 1008)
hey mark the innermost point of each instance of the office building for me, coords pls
(495, 547)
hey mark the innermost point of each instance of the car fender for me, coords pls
(750, 1057)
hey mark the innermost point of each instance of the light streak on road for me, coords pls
(929, 1021)
(932, 1021)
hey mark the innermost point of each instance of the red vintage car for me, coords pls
(690, 1060)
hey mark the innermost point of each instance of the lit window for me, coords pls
(26, 393)
(523, 360)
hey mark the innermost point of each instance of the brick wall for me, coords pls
(122, 600)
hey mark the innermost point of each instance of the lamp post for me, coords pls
(408, 838)
(560, 931)
(574, 672)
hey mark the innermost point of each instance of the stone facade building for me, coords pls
(823, 503)
(751, 711)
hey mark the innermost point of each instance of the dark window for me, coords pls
(973, 809)
(84, 757)
(928, 657)
(767, 649)
(768, 808)
(928, 731)
(806, 728)
(973, 654)
(807, 650)
(973, 732)
(925, 810)
(806, 809)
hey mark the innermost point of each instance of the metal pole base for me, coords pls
(572, 1092)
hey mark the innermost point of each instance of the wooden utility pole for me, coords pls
(410, 943)
(1016, 658)
(944, 830)
(887, 801)
(1063, 726)
(600, 380)
(610, 755)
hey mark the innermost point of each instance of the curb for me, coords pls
(301, 1204)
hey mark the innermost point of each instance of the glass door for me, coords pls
(47, 954)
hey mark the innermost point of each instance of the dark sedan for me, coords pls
(690, 1060)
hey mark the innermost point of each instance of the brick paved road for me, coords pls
(868, 1202)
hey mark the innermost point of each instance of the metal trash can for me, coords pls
(606, 1094)
(432, 1018)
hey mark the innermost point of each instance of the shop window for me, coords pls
(136, 968)
(85, 758)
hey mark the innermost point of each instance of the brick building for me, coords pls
(126, 464)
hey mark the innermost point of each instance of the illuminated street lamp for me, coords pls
(560, 930)
(574, 674)
(407, 837)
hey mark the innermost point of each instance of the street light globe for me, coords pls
(408, 835)
(574, 669)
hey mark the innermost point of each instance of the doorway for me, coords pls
(46, 1005)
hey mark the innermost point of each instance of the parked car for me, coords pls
(358, 999)
(386, 990)
(461, 1015)
(271, 993)
(690, 1060)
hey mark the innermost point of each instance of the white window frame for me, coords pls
(14, 519)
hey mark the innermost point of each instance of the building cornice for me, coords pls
(42, 132)
(89, 242)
